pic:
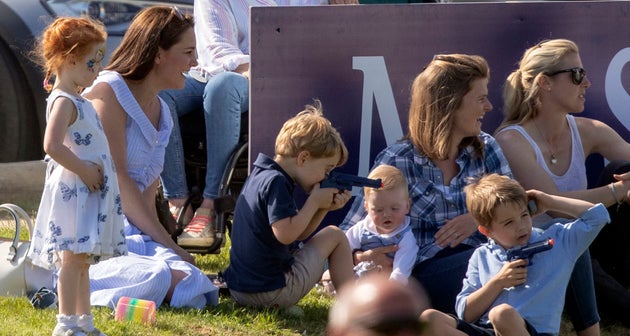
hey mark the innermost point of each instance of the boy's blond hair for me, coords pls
(486, 194)
(391, 178)
(310, 131)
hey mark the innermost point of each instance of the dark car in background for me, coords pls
(22, 97)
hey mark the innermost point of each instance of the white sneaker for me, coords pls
(75, 331)
(200, 231)
(94, 332)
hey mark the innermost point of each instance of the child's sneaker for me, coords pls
(200, 231)
(94, 332)
(86, 323)
(61, 331)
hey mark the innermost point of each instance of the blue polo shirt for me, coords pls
(258, 260)
(541, 299)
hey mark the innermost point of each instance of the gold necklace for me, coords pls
(553, 158)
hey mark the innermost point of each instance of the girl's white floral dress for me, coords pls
(70, 217)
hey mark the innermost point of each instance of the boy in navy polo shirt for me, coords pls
(264, 271)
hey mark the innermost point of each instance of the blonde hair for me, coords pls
(486, 194)
(67, 39)
(310, 131)
(391, 178)
(437, 92)
(521, 94)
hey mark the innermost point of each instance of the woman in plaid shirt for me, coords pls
(444, 147)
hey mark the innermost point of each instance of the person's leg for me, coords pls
(226, 97)
(611, 247)
(439, 323)
(332, 243)
(67, 285)
(610, 252)
(85, 319)
(613, 299)
(507, 321)
(180, 103)
(580, 303)
(442, 275)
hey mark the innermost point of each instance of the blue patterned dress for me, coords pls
(70, 217)
(146, 272)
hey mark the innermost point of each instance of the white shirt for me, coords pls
(222, 31)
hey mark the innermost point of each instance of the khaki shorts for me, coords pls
(307, 269)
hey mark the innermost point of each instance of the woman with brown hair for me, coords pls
(444, 146)
(157, 49)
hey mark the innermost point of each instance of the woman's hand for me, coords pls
(456, 230)
(185, 255)
(625, 186)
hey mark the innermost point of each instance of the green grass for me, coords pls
(224, 319)
(18, 317)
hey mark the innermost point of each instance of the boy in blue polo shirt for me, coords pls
(264, 271)
(520, 297)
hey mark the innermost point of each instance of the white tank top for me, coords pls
(575, 176)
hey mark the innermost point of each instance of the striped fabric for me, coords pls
(146, 272)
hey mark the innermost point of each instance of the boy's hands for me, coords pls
(513, 273)
(569, 206)
(330, 198)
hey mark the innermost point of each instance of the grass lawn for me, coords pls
(18, 317)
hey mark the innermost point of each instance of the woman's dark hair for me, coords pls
(151, 29)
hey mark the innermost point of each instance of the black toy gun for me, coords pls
(343, 181)
(528, 251)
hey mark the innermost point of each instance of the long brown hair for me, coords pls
(151, 29)
(436, 93)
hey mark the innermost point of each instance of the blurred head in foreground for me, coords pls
(375, 305)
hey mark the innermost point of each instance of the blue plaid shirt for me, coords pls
(432, 202)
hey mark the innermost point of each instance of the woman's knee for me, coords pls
(226, 84)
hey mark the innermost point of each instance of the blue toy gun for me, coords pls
(528, 251)
(343, 181)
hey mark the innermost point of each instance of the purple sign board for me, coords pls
(360, 62)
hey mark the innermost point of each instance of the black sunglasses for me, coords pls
(577, 74)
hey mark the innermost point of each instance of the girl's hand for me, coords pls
(455, 230)
(92, 176)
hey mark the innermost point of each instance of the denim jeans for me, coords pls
(441, 276)
(224, 98)
(580, 303)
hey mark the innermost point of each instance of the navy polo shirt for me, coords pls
(258, 260)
